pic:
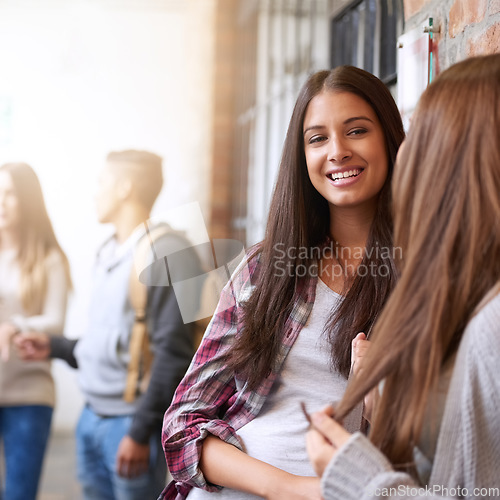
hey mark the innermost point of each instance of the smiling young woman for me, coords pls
(283, 329)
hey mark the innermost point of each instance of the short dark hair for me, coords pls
(144, 169)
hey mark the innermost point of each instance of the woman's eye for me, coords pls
(357, 131)
(316, 138)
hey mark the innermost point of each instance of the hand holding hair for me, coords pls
(324, 438)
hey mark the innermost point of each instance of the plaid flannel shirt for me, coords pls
(210, 400)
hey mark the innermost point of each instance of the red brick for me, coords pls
(486, 43)
(223, 119)
(411, 7)
(465, 12)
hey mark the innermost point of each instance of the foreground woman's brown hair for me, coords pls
(446, 195)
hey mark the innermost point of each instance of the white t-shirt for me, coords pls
(277, 435)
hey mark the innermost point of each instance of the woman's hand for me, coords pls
(324, 438)
(7, 332)
(359, 349)
(33, 346)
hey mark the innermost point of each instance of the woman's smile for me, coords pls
(345, 149)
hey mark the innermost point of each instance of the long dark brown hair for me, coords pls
(446, 193)
(36, 237)
(299, 219)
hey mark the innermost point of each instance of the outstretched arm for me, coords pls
(36, 346)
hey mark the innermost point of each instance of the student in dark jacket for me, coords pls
(118, 438)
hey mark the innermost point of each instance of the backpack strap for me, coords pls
(141, 357)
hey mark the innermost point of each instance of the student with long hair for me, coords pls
(434, 356)
(283, 328)
(34, 284)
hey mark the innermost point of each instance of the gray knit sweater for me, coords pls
(467, 460)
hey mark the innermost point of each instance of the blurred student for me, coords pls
(34, 284)
(435, 350)
(118, 437)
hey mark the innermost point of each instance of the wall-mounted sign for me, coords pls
(416, 67)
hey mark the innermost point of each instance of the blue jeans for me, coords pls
(97, 441)
(24, 431)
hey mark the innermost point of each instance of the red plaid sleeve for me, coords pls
(207, 400)
(210, 400)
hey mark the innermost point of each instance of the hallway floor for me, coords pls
(59, 480)
(59, 475)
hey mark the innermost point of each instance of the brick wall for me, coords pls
(223, 120)
(468, 27)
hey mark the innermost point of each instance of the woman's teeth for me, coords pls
(342, 175)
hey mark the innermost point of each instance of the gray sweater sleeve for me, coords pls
(359, 470)
(467, 457)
